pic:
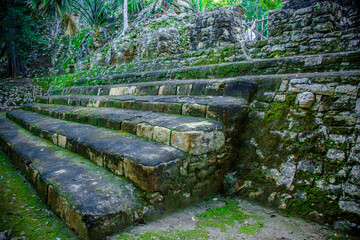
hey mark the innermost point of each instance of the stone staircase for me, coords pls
(108, 156)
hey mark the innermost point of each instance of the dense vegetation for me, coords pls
(31, 31)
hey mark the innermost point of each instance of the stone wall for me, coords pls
(322, 27)
(218, 27)
(301, 150)
(16, 92)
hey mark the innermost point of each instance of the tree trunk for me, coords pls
(15, 63)
(125, 16)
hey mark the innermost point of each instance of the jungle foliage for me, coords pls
(34, 24)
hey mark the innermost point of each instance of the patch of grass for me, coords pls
(251, 229)
(22, 209)
(221, 217)
(169, 235)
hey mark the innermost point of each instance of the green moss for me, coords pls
(316, 201)
(221, 217)
(169, 235)
(251, 229)
(18, 200)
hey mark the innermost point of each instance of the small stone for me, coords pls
(145, 131)
(300, 81)
(352, 190)
(280, 98)
(287, 174)
(350, 206)
(305, 100)
(347, 89)
(161, 134)
(354, 176)
(308, 166)
(339, 139)
(272, 197)
(61, 141)
(335, 154)
(313, 61)
(284, 85)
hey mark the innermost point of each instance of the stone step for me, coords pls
(228, 110)
(340, 61)
(247, 87)
(89, 199)
(151, 166)
(233, 87)
(195, 136)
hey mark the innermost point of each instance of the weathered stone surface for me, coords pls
(308, 166)
(352, 190)
(149, 160)
(305, 100)
(225, 109)
(142, 124)
(218, 27)
(350, 206)
(86, 197)
(336, 155)
(354, 176)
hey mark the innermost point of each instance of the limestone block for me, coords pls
(198, 142)
(144, 130)
(129, 127)
(313, 61)
(167, 90)
(350, 206)
(284, 176)
(284, 85)
(347, 89)
(161, 134)
(287, 174)
(184, 89)
(339, 139)
(280, 98)
(321, 89)
(336, 155)
(117, 91)
(309, 166)
(305, 100)
(352, 190)
(354, 176)
(195, 110)
(95, 157)
(181, 140)
(355, 154)
(61, 141)
(130, 90)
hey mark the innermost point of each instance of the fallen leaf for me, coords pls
(237, 186)
(192, 218)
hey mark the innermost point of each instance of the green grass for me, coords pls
(23, 211)
(222, 217)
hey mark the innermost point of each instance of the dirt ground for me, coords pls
(214, 219)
